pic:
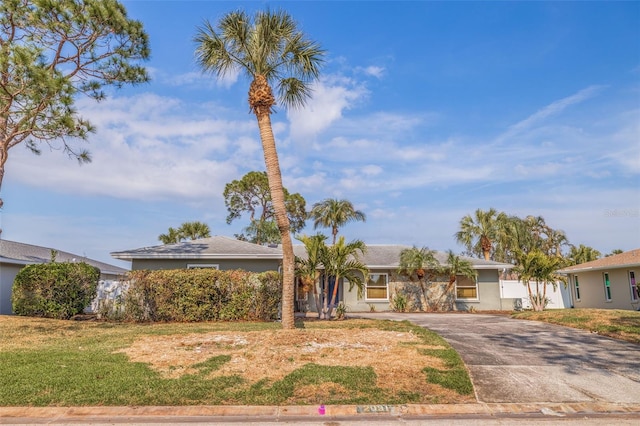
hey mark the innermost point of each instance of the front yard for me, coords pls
(74, 363)
(616, 323)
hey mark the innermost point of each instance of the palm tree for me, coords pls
(455, 267)
(555, 241)
(415, 264)
(479, 233)
(342, 262)
(308, 270)
(333, 213)
(194, 230)
(171, 237)
(269, 49)
(582, 254)
(541, 268)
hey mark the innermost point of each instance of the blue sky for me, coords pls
(425, 111)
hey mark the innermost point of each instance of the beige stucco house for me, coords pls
(607, 283)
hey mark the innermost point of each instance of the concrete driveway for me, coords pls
(518, 361)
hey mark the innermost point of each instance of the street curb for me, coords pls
(59, 414)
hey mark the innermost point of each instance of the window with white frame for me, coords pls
(202, 265)
(576, 287)
(607, 287)
(377, 287)
(466, 288)
(633, 285)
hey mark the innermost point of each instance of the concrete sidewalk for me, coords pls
(344, 414)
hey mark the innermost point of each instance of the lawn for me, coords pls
(619, 324)
(79, 363)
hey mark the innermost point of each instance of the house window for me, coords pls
(576, 286)
(466, 288)
(376, 287)
(633, 286)
(202, 265)
(607, 287)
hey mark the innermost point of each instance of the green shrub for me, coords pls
(186, 295)
(54, 290)
(399, 303)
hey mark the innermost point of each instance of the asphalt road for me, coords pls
(520, 361)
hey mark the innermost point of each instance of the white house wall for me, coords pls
(559, 297)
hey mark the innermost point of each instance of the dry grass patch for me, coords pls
(616, 323)
(75, 363)
(272, 355)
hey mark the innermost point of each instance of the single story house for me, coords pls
(482, 293)
(606, 283)
(14, 256)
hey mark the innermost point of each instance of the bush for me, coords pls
(186, 295)
(54, 290)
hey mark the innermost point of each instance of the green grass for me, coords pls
(66, 363)
(616, 323)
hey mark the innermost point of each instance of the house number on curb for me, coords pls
(360, 409)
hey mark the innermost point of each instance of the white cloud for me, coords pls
(550, 110)
(330, 98)
(374, 71)
(148, 147)
(201, 79)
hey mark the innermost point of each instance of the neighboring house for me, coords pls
(14, 256)
(607, 283)
(382, 260)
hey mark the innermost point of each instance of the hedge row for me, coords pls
(187, 295)
(54, 290)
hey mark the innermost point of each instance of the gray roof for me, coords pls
(217, 247)
(383, 256)
(386, 256)
(25, 254)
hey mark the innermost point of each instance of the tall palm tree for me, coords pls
(582, 254)
(455, 267)
(342, 262)
(270, 50)
(194, 230)
(416, 263)
(555, 241)
(478, 233)
(333, 213)
(309, 270)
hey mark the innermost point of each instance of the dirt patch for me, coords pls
(272, 355)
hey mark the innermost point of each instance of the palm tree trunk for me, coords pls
(316, 297)
(325, 297)
(277, 197)
(333, 295)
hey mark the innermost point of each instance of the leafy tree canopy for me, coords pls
(251, 195)
(49, 52)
